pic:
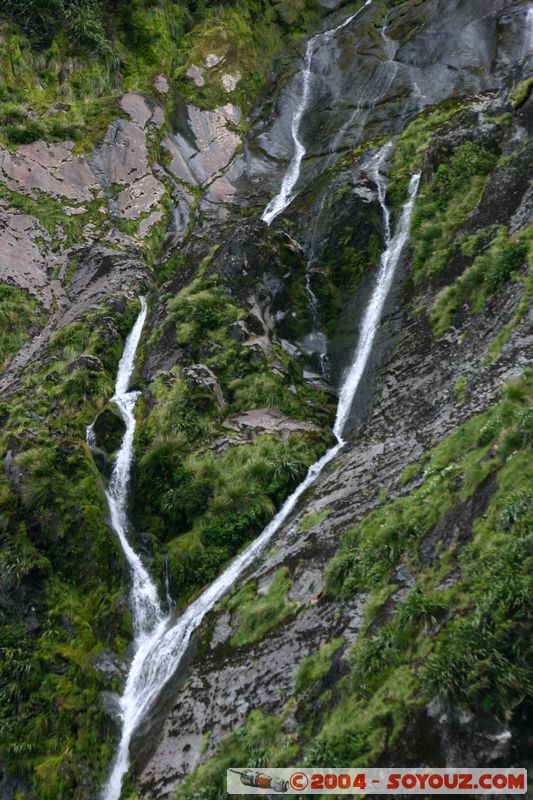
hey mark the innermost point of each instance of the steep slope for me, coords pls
(392, 605)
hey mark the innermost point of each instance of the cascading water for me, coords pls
(387, 268)
(161, 647)
(374, 89)
(279, 203)
(528, 33)
(146, 610)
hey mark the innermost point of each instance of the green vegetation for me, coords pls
(412, 144)
(479, 655)
(259, 743)
(488, 273)
(314, 518)
(65, 62)
(212, 504)
(50, 214)
(347, 261)
(244, 37)
(443, 204)
(19, 311)
(521, 92)
(257, 614)
(315, 667)
(460, 389)
(463, 632)
(57, 549)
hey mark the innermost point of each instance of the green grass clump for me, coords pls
(258, 614)
(312, 519)
(521, 92)
(485, 277)
(19, 313)
(460, 389)
(412, 144)
(315, 667)
(443, 205)
(213, 506)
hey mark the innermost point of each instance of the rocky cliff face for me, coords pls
(389, 619)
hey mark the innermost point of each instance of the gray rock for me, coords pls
(267, 421)
(50, 168)
(201, 377)
(109, 429)
(196, 74)
(90, 363)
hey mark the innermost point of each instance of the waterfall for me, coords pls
(162, 648)
(146, 610)
(148, 619)
(387, 268)
(279, 203)
(528, 33)
(317, 339)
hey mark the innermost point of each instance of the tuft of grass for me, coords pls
(485, 277)
(521, 92)
(315, 667)
(19, 314)
(460, 390)
(444, 203)
(313, 519)
(257, 614)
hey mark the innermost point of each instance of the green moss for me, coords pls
(257, 614)
(503, 120)
(313, 519)
(315, 667)
(521, 92)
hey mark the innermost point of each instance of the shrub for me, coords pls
(517, 506)
(19, 311)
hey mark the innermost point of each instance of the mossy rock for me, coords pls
(109, 428)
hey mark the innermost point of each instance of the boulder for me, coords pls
(90, 363)
(201, 377)
(109, 428)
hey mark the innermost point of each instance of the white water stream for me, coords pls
(279, 203)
